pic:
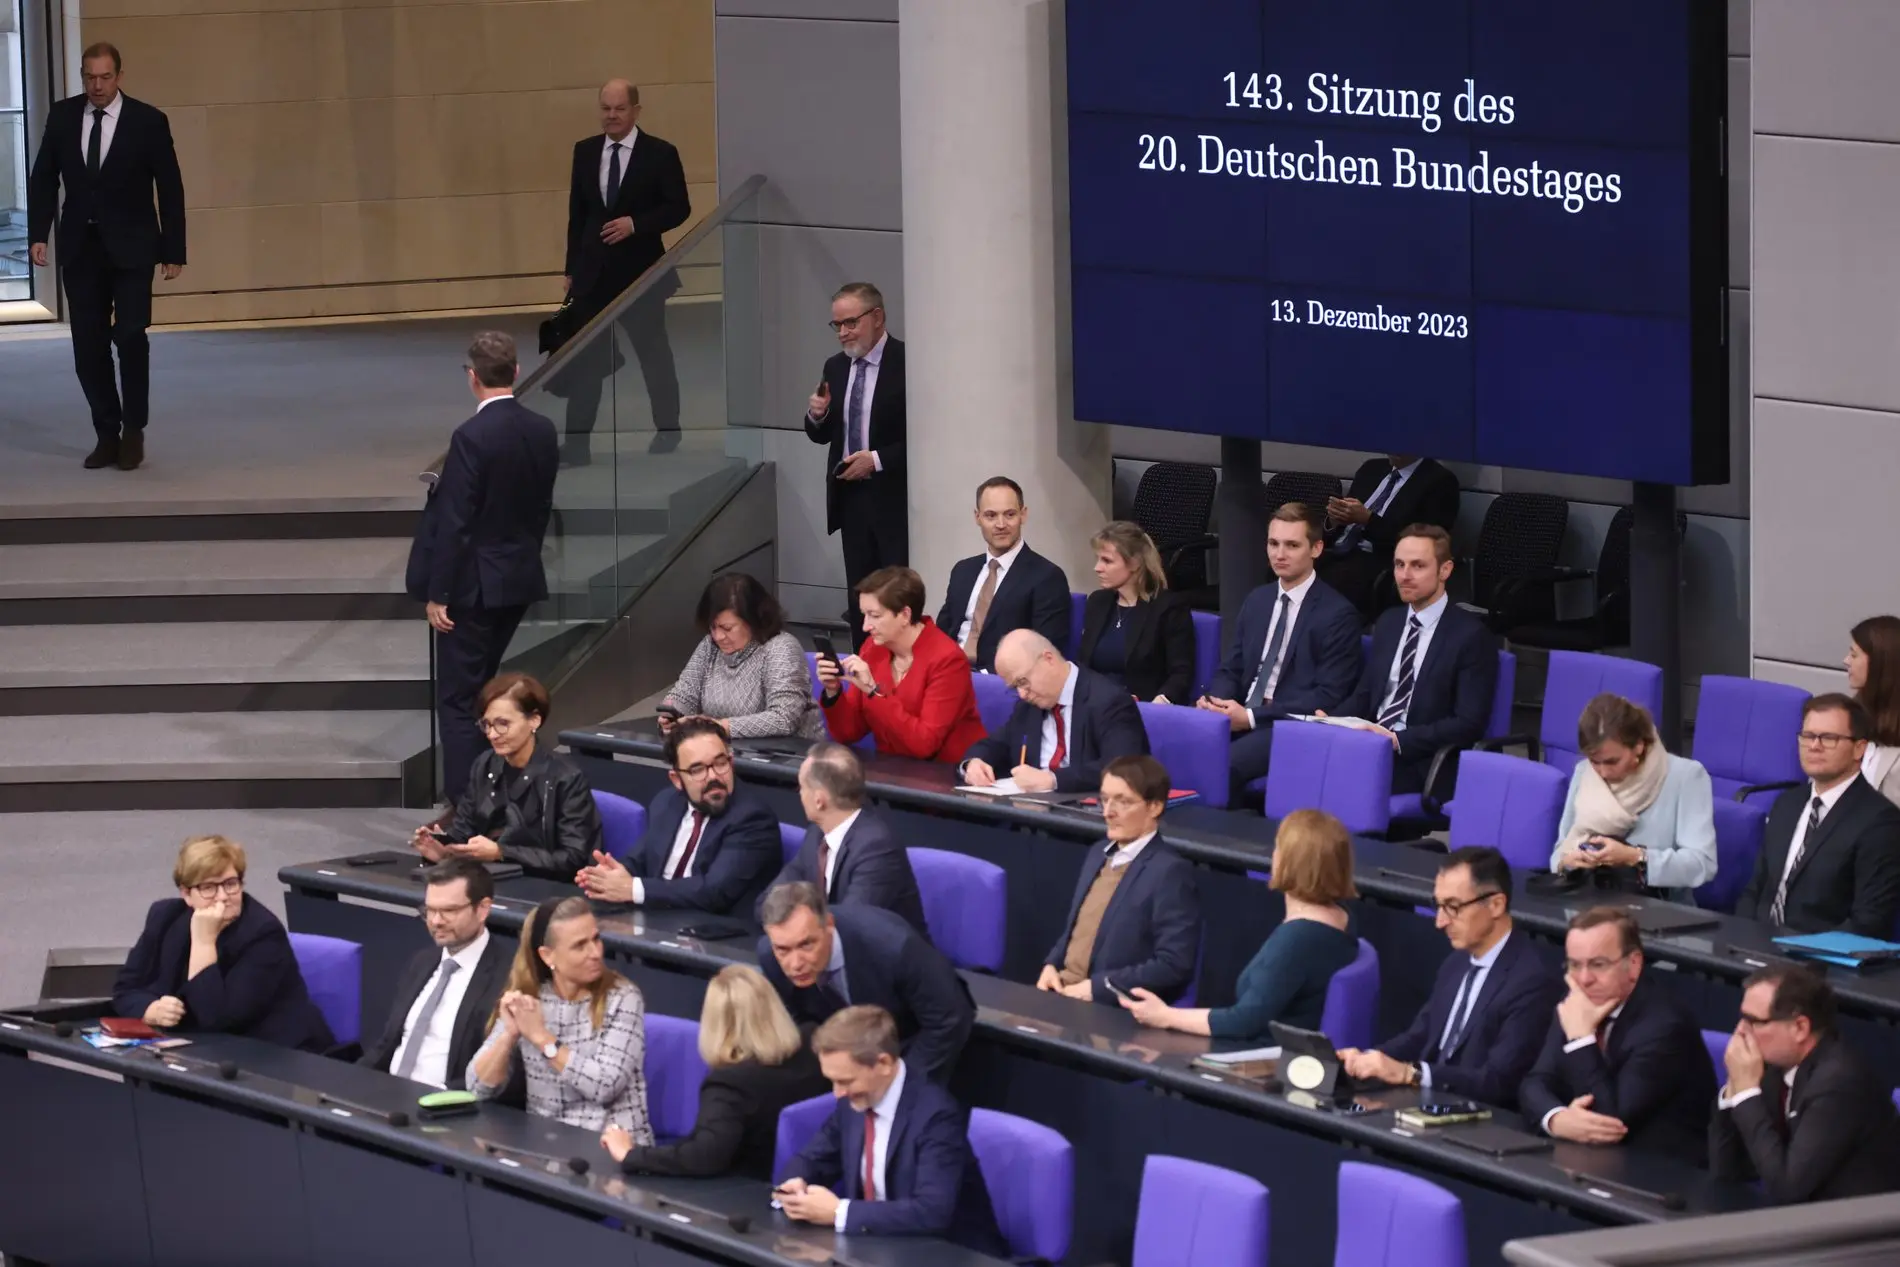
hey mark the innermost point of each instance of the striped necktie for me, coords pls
(1394, 712)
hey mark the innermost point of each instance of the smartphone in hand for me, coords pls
(822, 644)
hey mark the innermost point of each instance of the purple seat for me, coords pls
(1411, 805)
(333, 974)
(1206, 650)
(1192, 745)
(1510, 803)
(789, 839)
(1745, 735)
(1196, 1215)
(1347, 773)
(966, 901)
(994, 700)
(1352, 1000)
(1388, 1218)
(1577, 677)
(1739, 827)
(1717, 1043)
(1030, 1172)
(797, 1123)
(1077, 604)
(622, 823)
(674, 1071)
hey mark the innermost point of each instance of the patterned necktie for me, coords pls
(870, 1155)
(412, 1049)
(1271, 660)
(1061, 753)
(1778, 913)
(613, 174)
(1394, 713)
(984, 598)
(857, 429)
(692, 843)
(1381, 497)
(93, 142)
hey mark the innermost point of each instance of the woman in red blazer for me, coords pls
(911, 688)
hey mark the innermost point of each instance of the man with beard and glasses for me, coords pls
(710, 845)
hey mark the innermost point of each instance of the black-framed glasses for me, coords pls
(442, 912)
(1822, 739)
(1452, 908)
(499, 725)
(1596, 966)
(718, 765)
(230, 886)
(848, 324)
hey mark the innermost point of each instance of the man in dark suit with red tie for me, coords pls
(628, 188)
(111, 154)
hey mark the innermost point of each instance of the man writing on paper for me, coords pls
(1071, 722)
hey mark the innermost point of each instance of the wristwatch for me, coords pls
(551, 1048)
(1411, 1075)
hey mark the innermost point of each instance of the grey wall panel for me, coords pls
(798, 271)
(1737, 27)
(1715, 597)
(1827, 492)
(812, 105)
(1740, 75)
(806, 555)
(1827, 270)
(1810, 678)
(1825, 68)
(851, 10)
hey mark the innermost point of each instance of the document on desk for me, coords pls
(1239, 1057)
(1002, 787)
(1350, 723)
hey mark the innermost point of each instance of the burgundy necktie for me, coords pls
(692, 843)
(870, 1155)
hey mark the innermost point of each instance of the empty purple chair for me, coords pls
(1347, 773)
(622, 823)
(797, 1123)
(1030, 1172)
(1745, 736)
(1191, 744)
(1388, 1218)
(1206, 651)
(1739, 826)
(674, 1071)
(994, 700)
(966, 902)
(332, 971)
(1577, 677)
(789, 840)
(1717, 1043)
(1078, 603)
(1511, 804)
(1196, 1215)
(1352, 1000)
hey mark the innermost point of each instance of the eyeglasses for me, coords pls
(718, 765)
(1757, 1022)
(1822, 739)
(849, 324)
(500, 725)
(1597, 967)
(211, 888)
(1452, 908)
(1122, 802)
(442, 912)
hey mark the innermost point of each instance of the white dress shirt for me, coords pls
(1797, 843)
(885, 1111)
(834, 842)
(680, 837)
(486, 401)
(432, 1058)
(867, 367)
(1578, 1044)
(1298, 596)
(1870, 763)
(1467, 1000)
(1004, 561)
(1126, 853)
(1427, 626)
(1066, 701)
(607, 157)
(111, 126)
(1404, 474)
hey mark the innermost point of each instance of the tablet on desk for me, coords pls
(1495, 1141)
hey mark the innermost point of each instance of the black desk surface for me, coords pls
(1108, 1042)
(291, 1084)
(1239, 840)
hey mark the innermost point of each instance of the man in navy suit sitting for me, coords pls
(1071, 721)
(1296, 650)
(848, 851)
(1433, 671)
(1008, 586)
(822, 960)
(894, 1158)
(1482, 1029)
(710, 844)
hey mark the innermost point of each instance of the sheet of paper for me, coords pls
(1002, 787)
(1241, 1057)
(1351, 723)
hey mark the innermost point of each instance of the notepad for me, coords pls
(1002, 787)
(1350, 723)
(1845, 950)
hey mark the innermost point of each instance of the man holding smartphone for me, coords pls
(857, 411)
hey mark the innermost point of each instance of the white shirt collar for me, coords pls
(1490, 957)
(1067, 699)
(1831, 797)
(111, 107)
(1298, 592)
(835, 837)
(875, 357)
(625, 142)
(886, 1107)
(1126, 853)
(1429, 618)
(468, 956)
(486, 402)
(1008, 556)
(1407, 471)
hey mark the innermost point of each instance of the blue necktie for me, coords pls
(1259, 692)
(613, 174)
(1394, 712)
(855, 439)
(1461, 1010)
(1381, 497)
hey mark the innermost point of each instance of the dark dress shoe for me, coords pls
(131, 450)
(104, 453)
(664, 442)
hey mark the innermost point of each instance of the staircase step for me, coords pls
(289, 760)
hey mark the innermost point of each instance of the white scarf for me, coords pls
(1603, 810)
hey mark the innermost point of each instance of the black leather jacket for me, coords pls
(555, 838)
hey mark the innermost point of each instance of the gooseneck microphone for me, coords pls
(390, 1117)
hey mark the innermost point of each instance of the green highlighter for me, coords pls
(440, 1104)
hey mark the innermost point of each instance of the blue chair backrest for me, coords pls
(1347, 773)
(1739, 828)
(797, 1123)
(1511, 804)
(789, 839)
(674, 1071)
(332, 971)
(1501, 699)
(1030, 1172)
(1388, 1218)
(994, 700)
(966, 906)
(1192, 745)
(1078, 603)
(622, 823)
(1577, 677)
(1196, 1215)
(1745, 734)
(1717, 1042)
(1206, 651)
(1352, 1000)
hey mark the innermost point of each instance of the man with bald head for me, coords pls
(1071, 722)
(628, 189)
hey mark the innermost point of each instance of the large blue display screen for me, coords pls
(1480, 230)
